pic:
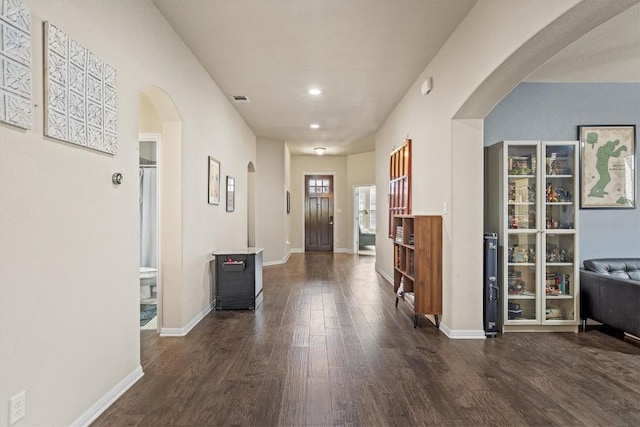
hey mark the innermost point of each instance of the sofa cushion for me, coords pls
(624, 268)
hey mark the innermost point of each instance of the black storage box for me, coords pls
(238, 278)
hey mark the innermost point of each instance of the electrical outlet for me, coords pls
(17, 407)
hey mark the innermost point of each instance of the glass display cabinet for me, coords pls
(532, 195)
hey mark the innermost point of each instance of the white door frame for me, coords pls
(354, 212)
(302, 204)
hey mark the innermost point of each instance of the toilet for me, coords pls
(148, 282)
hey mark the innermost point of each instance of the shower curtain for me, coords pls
(148, 218)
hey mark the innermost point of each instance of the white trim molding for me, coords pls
(181, 332)
(462, 334)
(383, 274)
(343, 251)
(456, 334)
(91, 414)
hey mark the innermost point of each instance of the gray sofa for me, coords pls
(610, 293)
(367, 237)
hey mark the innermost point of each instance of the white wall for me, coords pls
(361, 170)
(447, 156)
(270, 199)
(69, 239)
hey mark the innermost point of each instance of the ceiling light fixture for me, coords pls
(314, 126)
(314, 91)
(319, 150)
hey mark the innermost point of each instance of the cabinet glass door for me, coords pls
(559, 240)
(522, 278)
(522, 237)
(521, 187)
(559, 291)
(560, 186)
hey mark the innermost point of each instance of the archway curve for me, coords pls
(467, 139)
(575, 23)
(163, 118)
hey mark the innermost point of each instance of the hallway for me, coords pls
(328, 347)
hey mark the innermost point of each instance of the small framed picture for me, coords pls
(231, 194)
(607, 166)
(214, 181)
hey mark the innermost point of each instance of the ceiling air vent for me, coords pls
(239, 98)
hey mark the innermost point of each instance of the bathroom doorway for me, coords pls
(364, 207)
(149, 177)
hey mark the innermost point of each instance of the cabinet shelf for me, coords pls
(522, 296)
(405, 274)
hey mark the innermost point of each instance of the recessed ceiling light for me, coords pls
(314, 126)
(314, 91)
(319, 150)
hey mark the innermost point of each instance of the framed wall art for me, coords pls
(607, 166)
(80, 99)
(15, 66)
(231, 194)
(214, 181)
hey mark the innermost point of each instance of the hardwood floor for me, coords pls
(328, 347)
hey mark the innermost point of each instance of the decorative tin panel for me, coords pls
(15, 63)
(80, 94)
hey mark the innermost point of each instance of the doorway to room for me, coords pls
(149, 145)
(318, 213)
(364, 207)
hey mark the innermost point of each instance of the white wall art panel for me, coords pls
(15, 63)
(80, 94)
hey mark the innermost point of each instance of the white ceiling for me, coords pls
(608, 53)
(363, 54)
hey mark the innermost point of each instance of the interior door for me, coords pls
(318, 224)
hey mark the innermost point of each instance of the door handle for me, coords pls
(331, 220)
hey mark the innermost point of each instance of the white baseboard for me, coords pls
(456, 334)
(383, 274)
(343, 251)
(181, 332)
(285, 259)
(462, 334)
(91, 414)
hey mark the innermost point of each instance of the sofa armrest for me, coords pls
(611, 300)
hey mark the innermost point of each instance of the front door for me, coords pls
(318, 223)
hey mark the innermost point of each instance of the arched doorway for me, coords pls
(159, 117)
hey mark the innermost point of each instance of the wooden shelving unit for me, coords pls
(417, 263)
(399, 183)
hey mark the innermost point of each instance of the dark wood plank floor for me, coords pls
(328, 347)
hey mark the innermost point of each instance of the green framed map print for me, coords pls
(607, 166)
